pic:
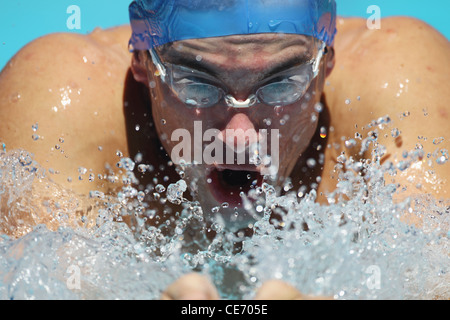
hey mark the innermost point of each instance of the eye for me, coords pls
(198, 95)
(282, 93)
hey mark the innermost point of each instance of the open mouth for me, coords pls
(226, 185)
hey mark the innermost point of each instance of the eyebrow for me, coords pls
(202, 66)
(287, 64)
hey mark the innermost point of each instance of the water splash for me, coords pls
(359, 246)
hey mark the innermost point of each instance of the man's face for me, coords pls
(241, 65)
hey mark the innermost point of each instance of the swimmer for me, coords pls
(293, 77)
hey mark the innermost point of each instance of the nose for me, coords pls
(239, 133)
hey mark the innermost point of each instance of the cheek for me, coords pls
(297, 126)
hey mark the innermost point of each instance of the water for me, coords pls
(357, 247)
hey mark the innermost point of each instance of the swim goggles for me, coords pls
(197, 89)
(157, 22)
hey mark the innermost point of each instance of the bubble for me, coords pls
(347, 101)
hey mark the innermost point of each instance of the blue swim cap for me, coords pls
(157, 22)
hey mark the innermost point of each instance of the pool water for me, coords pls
(358, 247)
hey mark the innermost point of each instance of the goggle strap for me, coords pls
(316, 63)
(157, 62)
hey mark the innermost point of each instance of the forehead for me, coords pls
(250, 52)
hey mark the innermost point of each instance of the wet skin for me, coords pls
(241, 64)
(82, 89)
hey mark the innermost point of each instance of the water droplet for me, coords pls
(278, 110)
(163, 121)
(311, 163)
(126, 163)
(141, 196)
(318, 107)
(160, 188)
(15, 97)
(35, 127)
(199, 58)
(323, 132)
(395, 133)
(350, 143)
(443, 158)
(347, 101)
(438, 140)
(137, 127)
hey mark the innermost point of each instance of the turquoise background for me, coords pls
(24, 20)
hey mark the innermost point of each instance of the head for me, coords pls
(233, 104)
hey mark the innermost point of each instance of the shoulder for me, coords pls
(73, 86)
(55, 51)
(403, 64)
